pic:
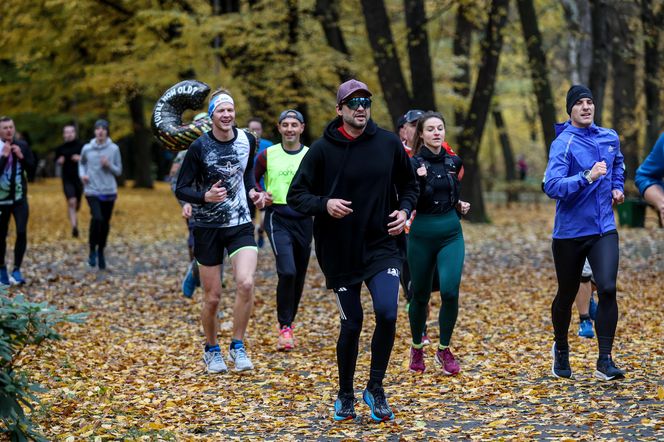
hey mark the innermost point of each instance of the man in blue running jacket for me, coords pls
(585, 174)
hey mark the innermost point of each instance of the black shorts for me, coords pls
(210, 242)
(73, 189)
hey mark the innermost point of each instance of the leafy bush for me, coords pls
(23, 324)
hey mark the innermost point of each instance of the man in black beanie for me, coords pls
(576, 93)
(585, 176)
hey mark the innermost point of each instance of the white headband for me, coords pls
(219, 99)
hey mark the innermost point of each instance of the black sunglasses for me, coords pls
(356, 102)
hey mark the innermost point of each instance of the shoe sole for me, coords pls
(601, 376)
(243, 369)
(553, 363)
(285, 347)
(343, 418)
(586, 336)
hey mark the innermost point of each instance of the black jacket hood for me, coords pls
(333, 135)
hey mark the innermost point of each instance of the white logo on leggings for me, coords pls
(393, 272)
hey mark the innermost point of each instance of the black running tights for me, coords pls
(21, 212)
(100, 222)
(384, 289)
(569, 256)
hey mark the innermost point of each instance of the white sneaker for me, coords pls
(240, 359)
(214, 362)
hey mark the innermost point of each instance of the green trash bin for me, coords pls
(632, 213)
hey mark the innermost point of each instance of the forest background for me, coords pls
(497, 69)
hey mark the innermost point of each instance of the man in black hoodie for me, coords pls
(67, 156)
(358, 183)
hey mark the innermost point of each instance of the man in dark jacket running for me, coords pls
(67, 156)
(15, 159)
(349, 181)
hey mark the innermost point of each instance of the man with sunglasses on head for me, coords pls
(349, 181)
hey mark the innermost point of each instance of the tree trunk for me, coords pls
(624, 90)
(652, 27)
(461, 50)
(142, 143)
(327, 14)
(508, 154)
(538, 70)
(293, 24)
(580, 44)
(395, 92)
(469, 140)
(505, 144)
(421, 75)
(601, 55)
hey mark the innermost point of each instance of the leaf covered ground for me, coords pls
(134, 370)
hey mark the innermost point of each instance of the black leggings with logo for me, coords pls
(569, 256)
(384, 290)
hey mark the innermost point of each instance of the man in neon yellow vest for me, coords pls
(289, 231)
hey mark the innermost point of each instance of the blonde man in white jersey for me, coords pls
(217, 174)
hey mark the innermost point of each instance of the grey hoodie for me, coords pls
(101, 179)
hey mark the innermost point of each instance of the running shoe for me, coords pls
(101, 261)
(425, 339)
(592, 310)
(214, 362)
(239, 357)
(344, 407)
(286, 340)
(447, 362)
(560, 366)
(189, 283)
(375, 399)
(4, 276)
(417, 360)
(92, 259)
(17, 277)
(607, 370)
(586, 329)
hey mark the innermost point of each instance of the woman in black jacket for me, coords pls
(435, 239)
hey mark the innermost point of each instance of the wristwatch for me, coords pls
(586, 175)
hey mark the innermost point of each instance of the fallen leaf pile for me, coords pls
(134, 370)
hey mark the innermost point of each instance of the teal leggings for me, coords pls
(435, 240)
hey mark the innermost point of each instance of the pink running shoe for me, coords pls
(447, 362)
(286, 341)
(417, 360)
(425, 339)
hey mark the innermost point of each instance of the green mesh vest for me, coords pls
(281, 168)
